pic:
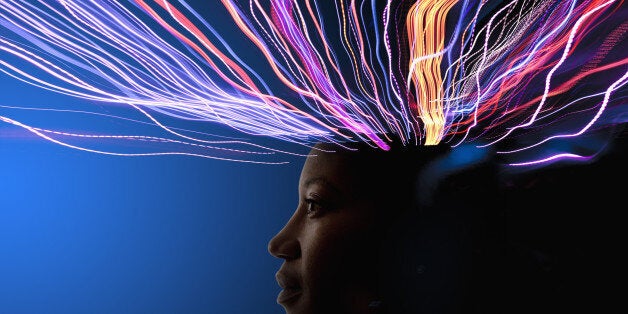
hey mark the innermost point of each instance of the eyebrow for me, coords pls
(322, 181)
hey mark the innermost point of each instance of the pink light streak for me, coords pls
(337, 76)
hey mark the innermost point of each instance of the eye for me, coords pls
(314, 208)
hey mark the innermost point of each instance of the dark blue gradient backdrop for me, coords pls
(83, 233)
(88, 233)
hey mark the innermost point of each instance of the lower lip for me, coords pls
(288, 295)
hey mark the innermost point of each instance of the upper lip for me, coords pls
(287, 281)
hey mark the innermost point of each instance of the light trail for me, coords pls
(521, 75)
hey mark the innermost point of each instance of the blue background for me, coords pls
(88, 233)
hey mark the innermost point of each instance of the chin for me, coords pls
(303, 306)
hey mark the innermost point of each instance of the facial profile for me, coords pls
(344, 246)
(328, 261)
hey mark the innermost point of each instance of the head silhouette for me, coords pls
(380, 231)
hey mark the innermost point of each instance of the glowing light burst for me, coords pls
(520, 75)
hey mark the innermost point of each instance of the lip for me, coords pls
(287, 295)
(290, 285)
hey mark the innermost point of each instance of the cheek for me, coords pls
(336, 255)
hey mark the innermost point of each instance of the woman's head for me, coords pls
(357, 222)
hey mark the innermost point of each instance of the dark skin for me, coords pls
(359, 243)
(327, 245)
(344, 248)
(463, 243)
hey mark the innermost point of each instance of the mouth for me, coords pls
(288, 295)
(291, 288)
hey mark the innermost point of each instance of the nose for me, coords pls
(285, 244)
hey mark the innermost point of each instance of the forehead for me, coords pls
(367, 168)
(362, 169)
(330, 168)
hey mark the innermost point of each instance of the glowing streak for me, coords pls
(365, 72)
(560, 62)
(40, 134)
(426, 36)
(549, 159)
(622, 81)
